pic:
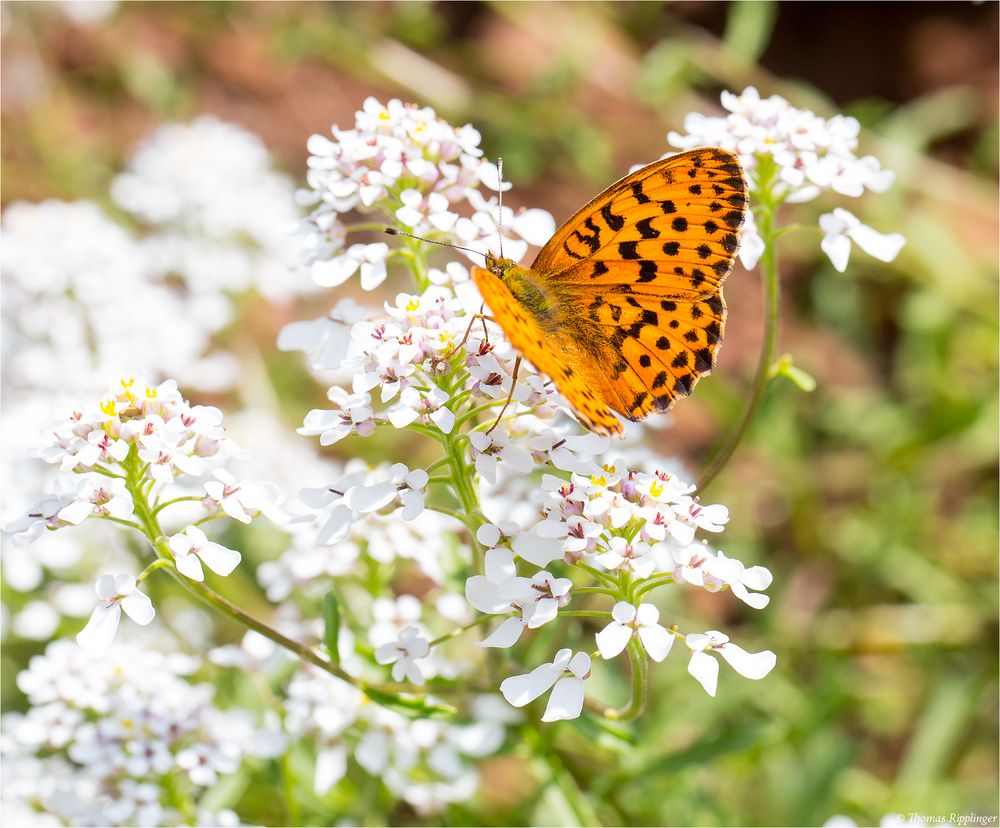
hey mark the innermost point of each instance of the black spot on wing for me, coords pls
(615, 222)
(646, 229)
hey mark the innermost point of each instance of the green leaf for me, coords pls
(749, 27)
(784, 367)
(331, 625)
(416, 708)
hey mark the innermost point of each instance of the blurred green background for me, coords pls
(873, 499)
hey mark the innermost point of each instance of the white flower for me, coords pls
(101, 496)
(352, 414)
(706, 669)
(751, 244)
(368, 258)
(421, 213)
(630, 621)
(117, 593)
(565, 675)
(327, 340)
(236, 500)
(43, 515)
(489, 450)
(192, 547)
(502, 591)
(427, 406)
(635, 556)
(841, 227)
(365, 492)
(403, 654)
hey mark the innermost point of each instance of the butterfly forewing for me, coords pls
(635, 277)
(647, 259)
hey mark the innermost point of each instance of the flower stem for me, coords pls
(770, 286)
(225, 606)
(640, 686)
(459, 630)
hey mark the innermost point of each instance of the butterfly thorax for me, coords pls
(525, 286)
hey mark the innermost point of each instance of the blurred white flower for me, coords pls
(841, 227)
(403, 654)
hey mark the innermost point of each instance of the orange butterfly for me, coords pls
(623, 306)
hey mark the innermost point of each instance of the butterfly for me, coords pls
(622, 308)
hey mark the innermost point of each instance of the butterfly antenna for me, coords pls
(500, 208)
(392, 231)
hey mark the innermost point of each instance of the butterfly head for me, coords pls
(499, 266)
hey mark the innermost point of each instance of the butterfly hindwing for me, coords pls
(555, 355)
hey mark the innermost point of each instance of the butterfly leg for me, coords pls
(465, 338)
(510, 396)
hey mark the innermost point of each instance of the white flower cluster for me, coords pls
(627, 523)
(223, 218)
(101, 734)
(398, 361)
(86, 298)
(812, 155)
(414, 170)
(425, 762)
(148, 437)
(83, 300)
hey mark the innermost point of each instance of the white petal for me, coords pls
(218, 558)
(387, 653)
(482, 595)
(757, 577)
(138, 607)
(366, 499)
(545, 610)
(336, 527)
(499, 565)
(613, 639)
(579, 665)
(749, 665)
(838, 248)
(566, 700)
(413, 504)
(487, 534)
(657, 641)
(623, 612)
(646, 615)
(105, 587)
(519, 690)
(331, 765)
(100, 631)
(189, 566)
(77, 512)
(444, 419)
(883, 247)
(536, 550)
(505, 635)
(706, 669)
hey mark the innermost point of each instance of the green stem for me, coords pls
(640, 688)
(651, 585)
(459, 630)
(160, 507)
(595, 590)
(585, 614)
(210, 596)
(769, 346)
